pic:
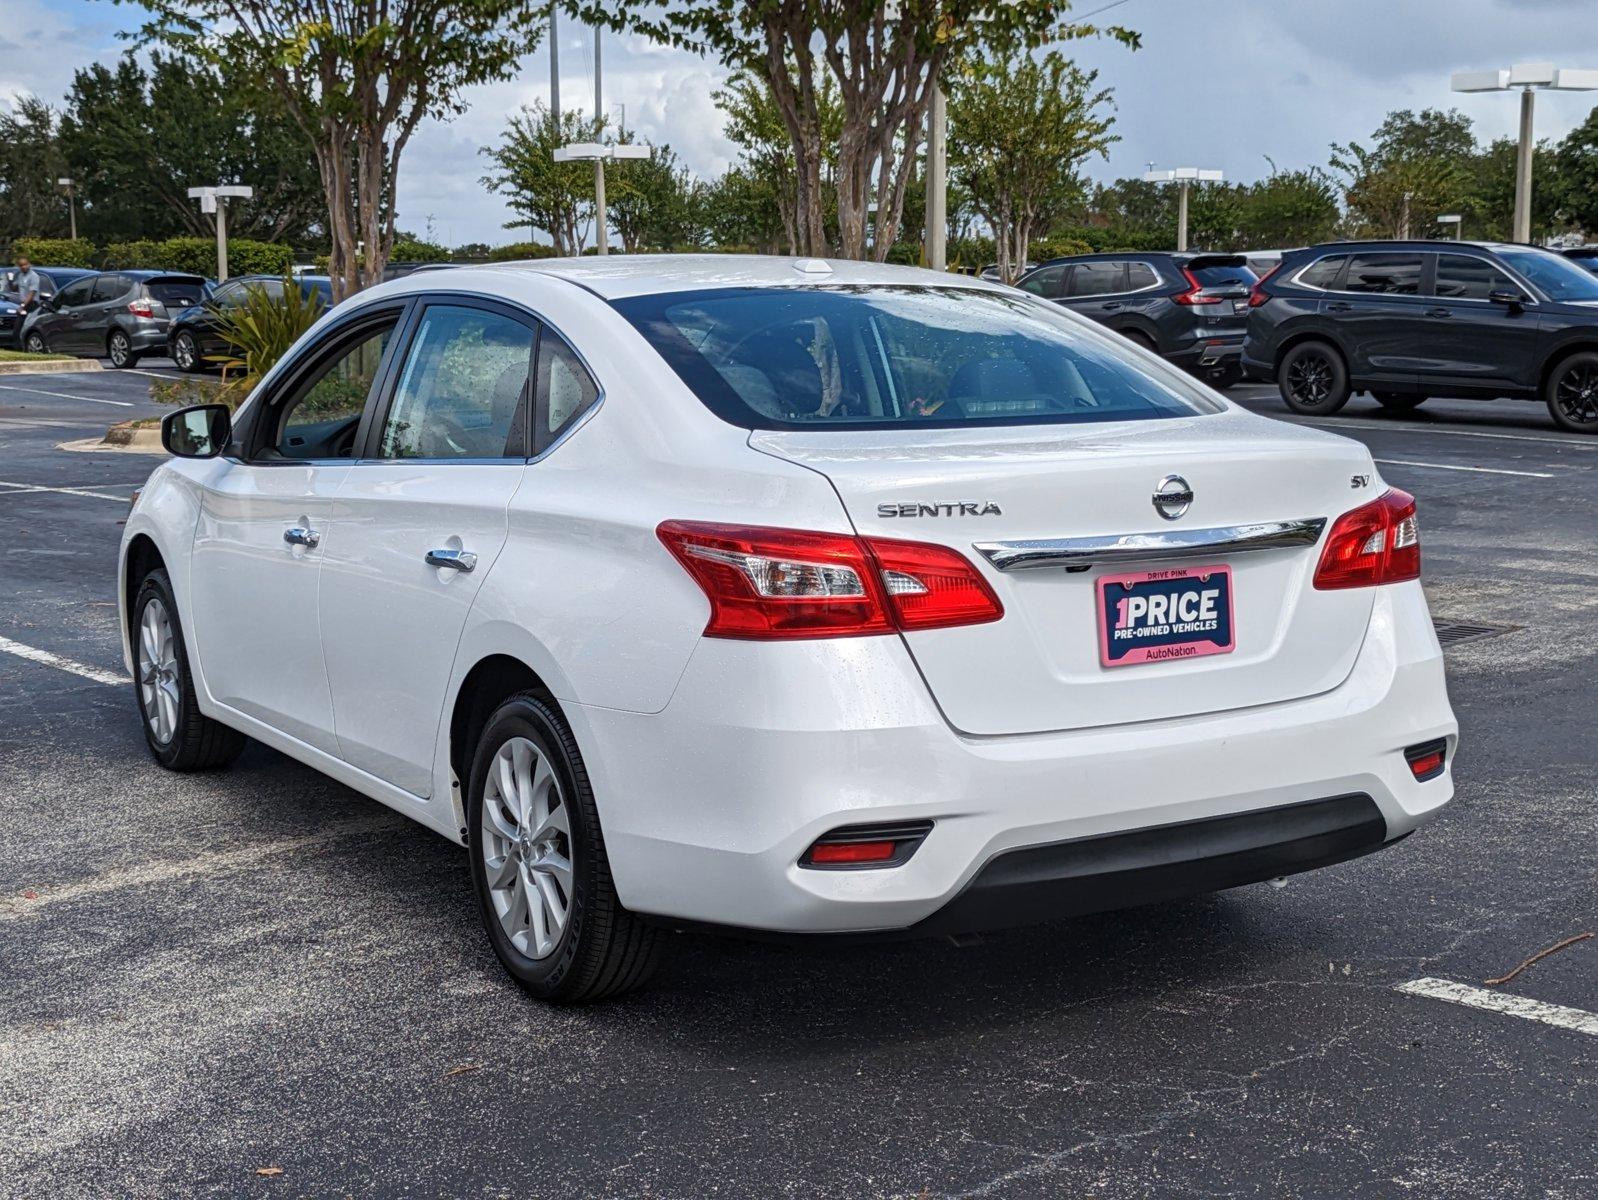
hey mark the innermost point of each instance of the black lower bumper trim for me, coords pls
(1040, 883)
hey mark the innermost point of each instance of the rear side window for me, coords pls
(176, 293)
(565, 388)
(1383, 274)
(1463, 277)
(1045, 281)
(1098, 279)
(1140, 275)
(1323, 272)
(110, 287)
(881, 357)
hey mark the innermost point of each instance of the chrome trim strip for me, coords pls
(1081, 553)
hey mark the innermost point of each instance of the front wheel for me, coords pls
(1572, 393)
(120, 350)
(539, 867)
(1313, 380)
(186, 353)
(36, 344)
(180, 736)
(1399, 402)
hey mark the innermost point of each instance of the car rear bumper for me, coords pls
(709, 804)
(148, 336)
(1209, 351)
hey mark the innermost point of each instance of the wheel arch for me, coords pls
(142, 557)
(491, 680)
(1556, 358)
(1295, 340)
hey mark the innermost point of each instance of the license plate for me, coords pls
(1159, 616)
(1240, 307)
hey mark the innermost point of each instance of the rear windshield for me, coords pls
(889, 357)
(176, 293)
(1213, 274)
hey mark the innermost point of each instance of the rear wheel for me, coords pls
(120, 350)
(1572, 393)
(539, 867)
(180, 736)
(1138, 339)
(1399, 401)
(1312, 379)
(186, 352)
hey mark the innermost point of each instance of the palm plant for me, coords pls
(260, 328)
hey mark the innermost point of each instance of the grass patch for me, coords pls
(24, 356)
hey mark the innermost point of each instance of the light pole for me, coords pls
(599, 153)
(1530, 78)
(72, 208)
(1186, 177)
(211, 201)
(937, 181)
(1457, 220)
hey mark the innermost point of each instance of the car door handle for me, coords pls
(1338, 306)
(298, 535)
(455, 560)
(1439, 312)
(1112, 307)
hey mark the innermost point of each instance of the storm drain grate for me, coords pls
(1455, 633)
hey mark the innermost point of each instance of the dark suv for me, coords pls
(1190, 308)
(194, 339)
(118, 314)
(1409, 320)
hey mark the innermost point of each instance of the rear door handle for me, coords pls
(1439, 312)
(1338, 306)
(1112, 307)
(455, 560)
(298, 535)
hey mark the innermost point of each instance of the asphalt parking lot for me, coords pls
(205, 978)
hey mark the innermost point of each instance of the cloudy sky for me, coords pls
(1218, 83)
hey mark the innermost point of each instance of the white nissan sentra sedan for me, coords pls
(787, 596)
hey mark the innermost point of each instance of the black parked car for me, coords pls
(1190, 308)
(193, 340)
(51, 280)
(1409, 320)
(121, 315)
(1584, 256)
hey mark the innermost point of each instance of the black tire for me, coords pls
(196, 743)
(604, 950)
(1571, 393)
(1399, 402)
(186, 353)
(1138, 338)
(36, 344)
(120, 350)
(1313, 379)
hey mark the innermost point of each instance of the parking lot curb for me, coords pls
(63, 366)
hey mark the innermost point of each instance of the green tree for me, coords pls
(742, 212)
(1577, 164)
(136, 140)
(30, 163)
(556, 197)
(1287, 209)
(1020, 129)
(887, 58)
(1417, 167)
(654, 203)
(1490, 210)
(357, 79)
(754, 123)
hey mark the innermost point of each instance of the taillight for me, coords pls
(1376, 543)
(1256, 294)
(142, 308)
(1195, 291)
(788, 583)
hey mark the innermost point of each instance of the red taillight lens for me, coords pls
(1376, 543)
(789, 583)
(828, 854)
(142, 308)
(1194, 294)
(1256, 294)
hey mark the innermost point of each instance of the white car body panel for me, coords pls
(716, 762)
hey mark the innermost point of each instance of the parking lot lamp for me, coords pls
(72, 208)
(1185, 177)
(1457, 220)
(598, 152)
(211, 201)
(1530, 78)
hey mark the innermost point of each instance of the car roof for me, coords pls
(619, 276)
(1429, 244)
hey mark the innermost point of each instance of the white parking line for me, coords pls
(1556, 1015)
(1579, 442)
(61, 662)
(12, 387)
(19, 489)
(1400, 462)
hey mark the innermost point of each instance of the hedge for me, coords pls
(409, 250)
(197, 256)
(55, 252)
(517, 251)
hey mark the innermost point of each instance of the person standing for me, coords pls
(28, 285)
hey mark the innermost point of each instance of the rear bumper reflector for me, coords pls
(853, 847)
(1426, 760)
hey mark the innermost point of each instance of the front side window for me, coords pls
(1045, 281)
(892, 357)
(1463, 277)
(75, 294)
(1098, 279)
(1384, 274)
(322, 415)
(1552, 274)
(462, 388)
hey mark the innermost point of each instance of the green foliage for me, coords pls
(416, 250)
(1058, 247)
(654, 203)
(1286, 209)
(180, 391)
(555, 197)
(55, 252)
(1416, 167)
(521, 251)
(30, 162)
(197, 256)
(260, 328)
(1577, 165)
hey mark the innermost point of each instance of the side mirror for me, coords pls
(201, 431)
(1506, 296)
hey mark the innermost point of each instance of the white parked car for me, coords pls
(786, 596)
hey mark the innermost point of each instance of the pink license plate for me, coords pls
(1159, 616)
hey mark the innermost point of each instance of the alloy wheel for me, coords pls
(36, 344)
(183, 352)
(158, 671)
(119, 349)
(1577, 394)
(1309, 379)
(527, 848)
